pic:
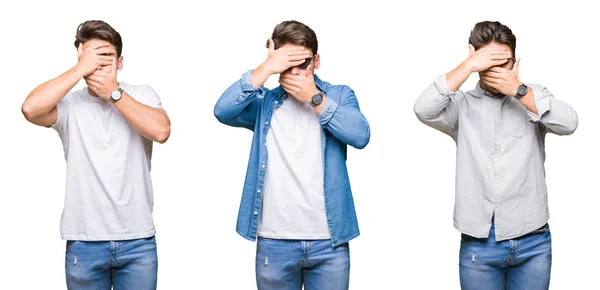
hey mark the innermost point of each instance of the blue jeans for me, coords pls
(130, 264)
(287, 264)
(519, 263)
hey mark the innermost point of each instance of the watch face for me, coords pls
(522, 90)
(317, 99)
(116, 95)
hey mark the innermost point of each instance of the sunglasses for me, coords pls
(509, 64)
(306, 62)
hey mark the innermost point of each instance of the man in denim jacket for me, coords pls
(296, 199)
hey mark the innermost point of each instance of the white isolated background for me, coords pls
(403, 181)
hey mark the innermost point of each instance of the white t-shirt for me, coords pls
(293, 202)
(108, 190)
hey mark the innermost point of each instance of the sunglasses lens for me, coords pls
(305, 64)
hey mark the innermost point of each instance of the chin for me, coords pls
(491, 91)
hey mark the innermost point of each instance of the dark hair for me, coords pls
(98, 29)
(294, 32)
(486, 32)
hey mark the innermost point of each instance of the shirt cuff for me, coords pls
(542, 104)
(248, 88)
(442, 86)
(329, 107)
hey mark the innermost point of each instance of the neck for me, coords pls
(91, 92)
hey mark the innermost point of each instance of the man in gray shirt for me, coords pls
(501, 205)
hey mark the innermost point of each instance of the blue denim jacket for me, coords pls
(343, 124)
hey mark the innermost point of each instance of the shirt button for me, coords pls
(276, 102)
(258, 191)
(267, 123)
(263, 166)
(255, 212)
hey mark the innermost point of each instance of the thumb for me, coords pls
(517, 64)
(471, 49)
(308, 70)
(271, 46)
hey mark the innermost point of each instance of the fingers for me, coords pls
(104, 63)
(105, 50)
(93, 84)
(287, 81)
(499, 54)
(107, 57)
(490, 73)
(100, 46)
(288, 88)
(298, 54)
(502, 56)
(291, 77)
(99, 72)
(490, 80)
(498, 69)
(92, 77)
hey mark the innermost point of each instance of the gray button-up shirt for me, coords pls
(500, 155)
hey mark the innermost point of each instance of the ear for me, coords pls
(471, 49)
(120, 63)
(317, 61)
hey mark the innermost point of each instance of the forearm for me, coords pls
(45, 97)
(152, 123)
(260, 75)
(528, 101)
(458, 76)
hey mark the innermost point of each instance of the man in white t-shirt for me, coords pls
(107, 130)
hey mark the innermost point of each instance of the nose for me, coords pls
(295, 70)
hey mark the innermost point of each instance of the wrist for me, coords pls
(78, 70)
(314, 92)
(265, 69)
(316, 98)
(467, 67)
(259, 76)
(114, 86)
(520, 90)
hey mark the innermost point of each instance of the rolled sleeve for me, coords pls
(542, 104)
(329, 108)
(248, 88)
